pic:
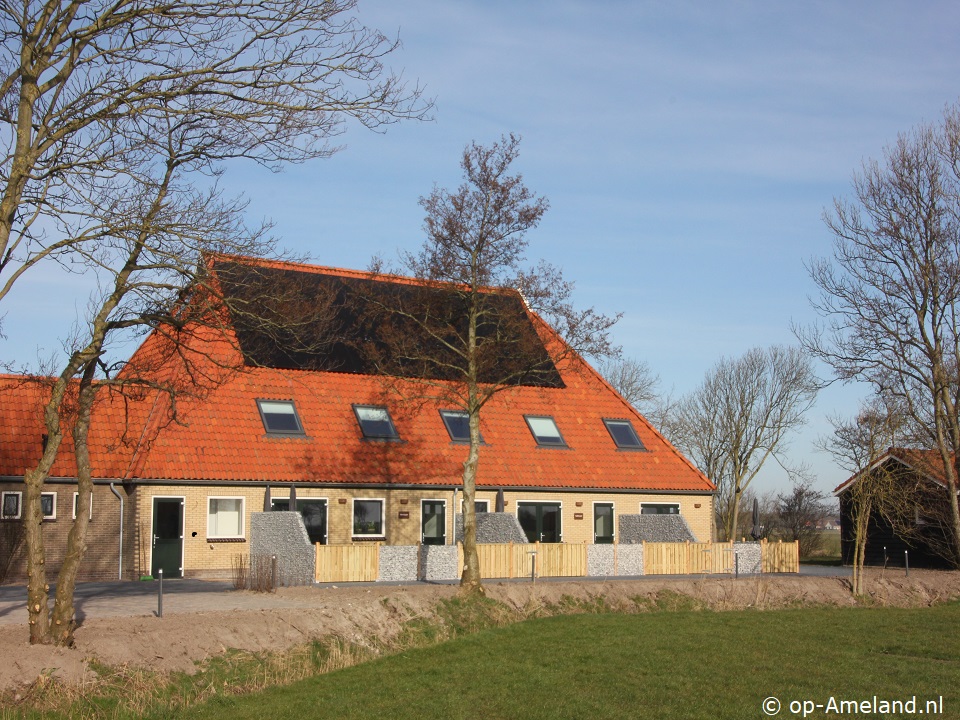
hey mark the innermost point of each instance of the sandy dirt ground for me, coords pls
(179, 641)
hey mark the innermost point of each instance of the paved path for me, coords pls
(112, 599)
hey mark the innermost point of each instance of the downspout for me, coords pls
(120, 560)
(454, 513)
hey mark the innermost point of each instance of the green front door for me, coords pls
(540, 521)
(167, 537)
(433, 514)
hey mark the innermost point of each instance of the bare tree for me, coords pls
(634, 380)
(120, 117)
(890, 293)
(857, 444)
(798, 514)
(912, 506)
(740, 416)
(464, 330)
(274, 81)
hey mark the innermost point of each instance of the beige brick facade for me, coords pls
(212, 557)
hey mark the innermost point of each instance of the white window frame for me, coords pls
(660, 504)
(243, 510)
(3, 499)
(485, 502)
(52, 515)
(593, 518)
(383, 517)
(76, 500)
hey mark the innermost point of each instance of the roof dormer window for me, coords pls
(375, 422)
(623, 434)
(545, 431)
(280, 417)
(458, 425)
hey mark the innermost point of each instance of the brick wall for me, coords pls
(101, 561)
(206, 557)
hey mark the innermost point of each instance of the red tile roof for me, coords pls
(220, 437)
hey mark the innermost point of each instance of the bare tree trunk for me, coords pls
(861, 507)
(62, 617)
(85, 359)
(37, 588)
(470, 582)
(734, 515)
(38, 611)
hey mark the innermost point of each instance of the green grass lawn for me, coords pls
(650, 665)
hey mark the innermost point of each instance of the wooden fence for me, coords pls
(779, 557)
(346, 563)
(687, 558)
(511, 560)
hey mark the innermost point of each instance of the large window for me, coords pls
(659, 509)
(10, 505)
(280, 417)
(375, 422)
(545, 431)
(603, 523)
(225, 517)
(623, 434)
(540, 521)
(313, 512)
(368, 518)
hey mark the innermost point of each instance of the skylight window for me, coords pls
(280, 417)
(458, 425)
(375, 422)
(545, 431)
(623, 434)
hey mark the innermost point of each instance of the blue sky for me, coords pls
(688, 150)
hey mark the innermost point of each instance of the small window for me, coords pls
(48, 505)
(368, 518)
(225, 518)
(280, 417)
(375, 422)
(659, 509)
(10, 505)
(623, 434)
(545, 431)
(76, 500)
(479, 506)
(458, 425)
